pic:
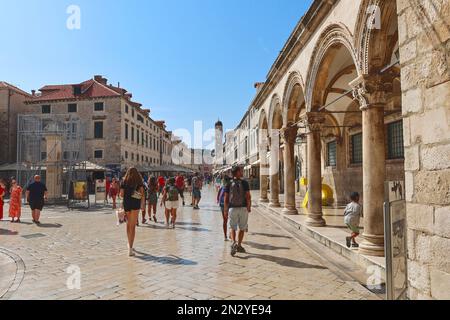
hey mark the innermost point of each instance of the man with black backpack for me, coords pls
(237, 206)
(170, 201)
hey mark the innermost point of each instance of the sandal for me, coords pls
(154, 219)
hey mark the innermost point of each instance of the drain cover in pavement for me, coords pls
(34, 235)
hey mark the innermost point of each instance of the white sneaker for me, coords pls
(131, 252)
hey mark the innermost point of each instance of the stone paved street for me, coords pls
(191, 262)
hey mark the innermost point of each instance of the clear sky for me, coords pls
(186, 60)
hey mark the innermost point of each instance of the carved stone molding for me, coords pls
(315, 121)
(372, 90)
(289, 134)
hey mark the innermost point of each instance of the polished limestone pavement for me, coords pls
(191, 262)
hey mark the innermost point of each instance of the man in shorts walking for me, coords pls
(237, 206)
(196, 191)
(36, 195)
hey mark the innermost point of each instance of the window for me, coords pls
(140, 118)
(98, 130)
(126, 108)
(331, 154)
(356, 149)
(137, 136)
(43, 155)
(137, 157)
(46, 109)
(142, 158)
(143, 138)
(395, 147)
(98, 154)
(126, 131)
(72, 108)
(132, 134)
(132, 113)
(99, 106)
(66, 155)
(77, 90)
(132, 156)
(126, 154)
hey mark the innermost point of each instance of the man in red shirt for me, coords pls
(179, 184)
(161, 185)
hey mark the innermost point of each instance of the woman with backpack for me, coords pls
(221, 202)
(133, 195)
(171, 202)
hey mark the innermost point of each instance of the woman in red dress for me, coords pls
(2, 194)
(15, 201)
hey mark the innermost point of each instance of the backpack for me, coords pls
(237, 194)
(172, 194)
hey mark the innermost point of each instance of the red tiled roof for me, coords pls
(7, 85)
(89, 89)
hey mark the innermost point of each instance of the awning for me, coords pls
(20, 167)
(89, 166)
(171, 169)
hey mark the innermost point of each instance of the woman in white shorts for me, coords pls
(171, 201)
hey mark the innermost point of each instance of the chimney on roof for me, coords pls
(259, 86)
(101, 79)
(33, 93)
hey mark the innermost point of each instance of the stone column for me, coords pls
(274, 170)
(289, 136)
(263, 167)
(315, 214)
(371, 92)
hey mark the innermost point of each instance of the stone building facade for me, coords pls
(11, 105)
(357, 97)
(119, 133)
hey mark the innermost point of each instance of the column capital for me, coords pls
(289, 134)
(372, 90)
(315, 121)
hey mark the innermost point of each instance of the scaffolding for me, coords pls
(52, 146)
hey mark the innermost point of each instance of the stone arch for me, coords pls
(293, 98)
(275, 113)
(374, 40)
(334, 36)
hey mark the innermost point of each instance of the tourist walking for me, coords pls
(133, 195)
(114, 191)
(196, 191)
(2, 195)
(36, 195)
(352, 218)
(180, 184)
(237, 206)
(221, 202)
(171, 202)
(15, 202)
(152, 198)
(107, 188)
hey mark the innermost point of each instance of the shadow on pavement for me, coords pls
(4, 232)
(262, 246)
(172, 260)
(49, 225)
(189, 224)
(269, 235)
(195, 229)
(285, 262)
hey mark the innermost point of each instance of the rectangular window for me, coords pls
(356, 149)
(132, 113)
(66, 155)
(126, 154)
(137, 136)
(132, 134)
(132, 156)
(43, 155)
(396, 149)
(126, 108)
(99, 106)
(140, 118)
(143, 138)
(126, 131)
(98, 130)
(98, 154)
(331, 154)
(46, 109)
(72, 108)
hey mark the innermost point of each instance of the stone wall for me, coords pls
(424, 36)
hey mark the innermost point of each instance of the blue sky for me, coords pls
(186, 60)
